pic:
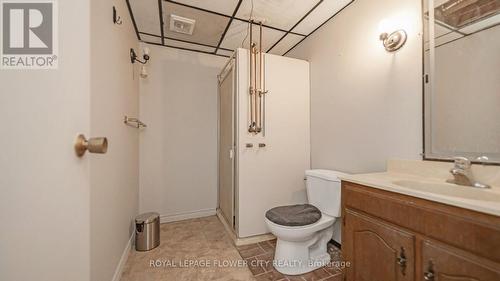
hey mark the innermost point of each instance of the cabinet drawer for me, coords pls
(377, 251)
(472, 231)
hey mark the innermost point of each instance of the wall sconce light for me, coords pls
(394, 41)
(145, 57)
(133, 56)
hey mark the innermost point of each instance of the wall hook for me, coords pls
(116, 18)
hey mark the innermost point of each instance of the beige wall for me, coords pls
(114, 177)
(365, 102)
(178, 150)
(44, 205)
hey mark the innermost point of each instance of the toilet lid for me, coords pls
(294, 215)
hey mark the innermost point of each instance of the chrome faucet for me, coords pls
(462, 174)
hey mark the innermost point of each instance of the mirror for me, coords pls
(462, 79)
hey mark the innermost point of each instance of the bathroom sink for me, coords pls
(451, 190)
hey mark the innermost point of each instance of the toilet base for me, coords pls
(294, 258)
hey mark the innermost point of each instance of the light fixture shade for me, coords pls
(144, 72)
(394, 41)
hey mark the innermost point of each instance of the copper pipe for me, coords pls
(251, 88)
(255, 93)
(261, 83)
(252, 93)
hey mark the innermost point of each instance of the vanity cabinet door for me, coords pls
(444, 263)
(377, 251)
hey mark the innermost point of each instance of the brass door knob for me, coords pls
(93, 145)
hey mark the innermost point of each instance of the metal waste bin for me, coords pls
(147, 231)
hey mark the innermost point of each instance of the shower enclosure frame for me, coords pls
(228, 69)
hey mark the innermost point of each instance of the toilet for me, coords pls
(304, 230)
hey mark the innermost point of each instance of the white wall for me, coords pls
(178, 149)
(114, 177)
(44, 205)
(273, 175)
(366, 104)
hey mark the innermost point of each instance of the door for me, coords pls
(226, 145)
(377, 251)
(45, 190)
(444, 263)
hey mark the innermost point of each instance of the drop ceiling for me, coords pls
(222, 25)
(456, 19)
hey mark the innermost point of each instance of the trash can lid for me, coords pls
(147, 217)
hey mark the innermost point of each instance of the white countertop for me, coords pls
(433, 189)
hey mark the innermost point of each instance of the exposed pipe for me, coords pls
(251, 127)
(261, 84)
(257, 84)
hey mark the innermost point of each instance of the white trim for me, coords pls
(254, 239)
(237, 241)
(187, 215)
(123, 260)
(229, 230)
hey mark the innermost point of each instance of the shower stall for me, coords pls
(263, 132)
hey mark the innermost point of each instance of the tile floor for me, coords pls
(259, 258)
(200, 249)
(202, 242)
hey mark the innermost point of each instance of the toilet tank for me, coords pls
(323, 191)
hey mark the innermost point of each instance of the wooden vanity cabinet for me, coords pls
(388, 236)
(390, 254)
(444, 263)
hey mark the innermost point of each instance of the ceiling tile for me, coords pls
(225, 52)
(481, 24)
(238, 31)
(225, 7)
(150, 39)
(441, 30)
(319, 15)
(438, 30)
(286, 44)
(174, 43)
(437, 3)
(283, 14)
(447, 38)
(443, 39)
(146, 15)
(208, 28)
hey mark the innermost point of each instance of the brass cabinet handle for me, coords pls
(401, 261)
(93, 145)
(429, 274)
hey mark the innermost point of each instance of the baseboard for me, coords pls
(228, 228)
(254, 239)
(245, 240)
(187, 215)
(123, 260)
